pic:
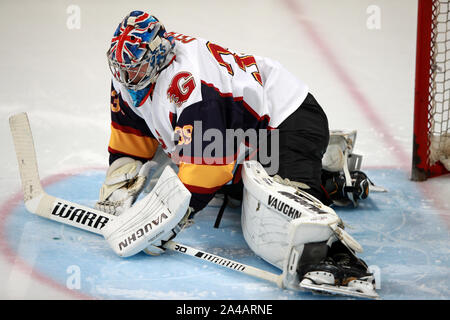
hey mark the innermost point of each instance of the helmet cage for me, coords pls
(135, 76)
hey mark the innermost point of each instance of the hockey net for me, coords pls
(431, 147)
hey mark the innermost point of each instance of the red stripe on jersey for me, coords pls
(217, 161)
(114, 151)
(200, 190)
(127, 129)
(171, 117)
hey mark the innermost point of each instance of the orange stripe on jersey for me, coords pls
(205, 177)
(131, 143)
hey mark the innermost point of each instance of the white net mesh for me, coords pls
(439, 102)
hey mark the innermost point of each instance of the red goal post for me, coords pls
(431, 140)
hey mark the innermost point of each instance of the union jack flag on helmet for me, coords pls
(139, 49)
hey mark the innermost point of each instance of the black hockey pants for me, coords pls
(303, 140)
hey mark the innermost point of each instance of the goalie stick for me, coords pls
(224, 262)
(38, 202)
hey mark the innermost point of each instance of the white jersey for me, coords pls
(265, 87)
(219, 88)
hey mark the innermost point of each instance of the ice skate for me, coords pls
(340, 273)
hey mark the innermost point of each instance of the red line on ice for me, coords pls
(361, 101)
(12, 257)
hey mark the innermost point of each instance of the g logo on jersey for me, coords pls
(180, 88)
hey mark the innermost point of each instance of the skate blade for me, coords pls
(337, 290)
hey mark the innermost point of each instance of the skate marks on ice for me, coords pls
(405, 241)
(405, 237)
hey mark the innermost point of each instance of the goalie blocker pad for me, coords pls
(278, 220)
(150, 219)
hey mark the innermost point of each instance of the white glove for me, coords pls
(125, 180)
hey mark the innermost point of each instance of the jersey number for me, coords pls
(243, 62)
(184, 134)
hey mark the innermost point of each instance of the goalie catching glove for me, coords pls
(125, 180)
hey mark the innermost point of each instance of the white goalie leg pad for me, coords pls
(150, 219)
(339, 155)
(268, 208)
(278, 220)
(264, 232)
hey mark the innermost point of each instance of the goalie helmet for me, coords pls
(140, 49)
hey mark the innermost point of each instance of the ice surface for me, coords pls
(362, 77)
